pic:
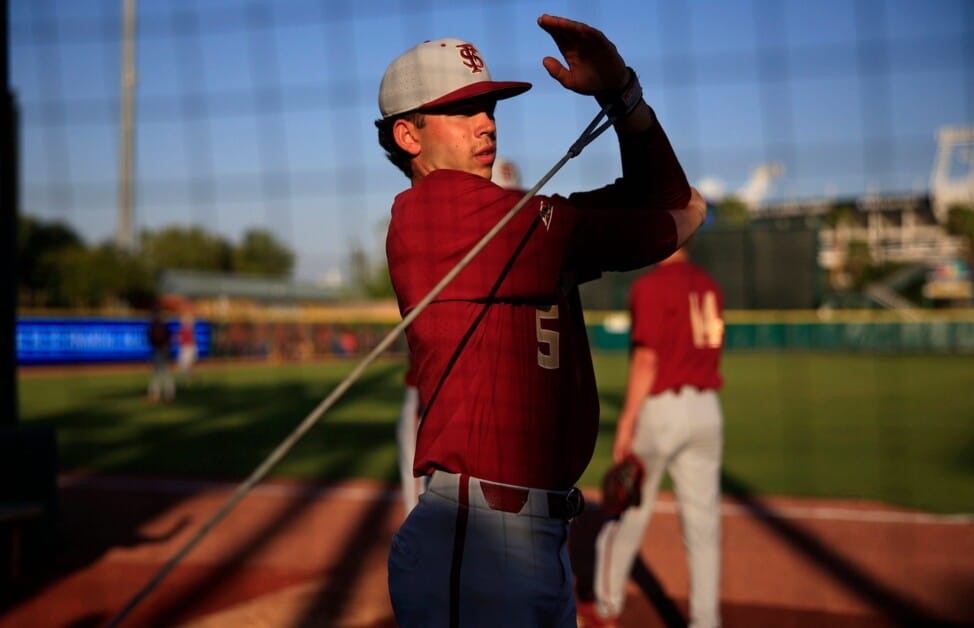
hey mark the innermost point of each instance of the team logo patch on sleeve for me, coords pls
(545, 212)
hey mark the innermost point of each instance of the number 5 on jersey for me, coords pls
(547, 338)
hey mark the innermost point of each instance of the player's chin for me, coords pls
(482, 171)
(483, 164)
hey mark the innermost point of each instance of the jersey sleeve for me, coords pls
(624, 226)
(613, 235)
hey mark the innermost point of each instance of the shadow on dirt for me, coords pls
(93, 521)
(890, 608)
(893, 607)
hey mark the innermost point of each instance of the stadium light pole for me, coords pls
(126, 153)
(8, 228)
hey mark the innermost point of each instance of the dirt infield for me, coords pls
(299, 555)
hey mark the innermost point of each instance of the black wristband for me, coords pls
(621, 103)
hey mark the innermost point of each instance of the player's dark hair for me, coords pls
(399, 158)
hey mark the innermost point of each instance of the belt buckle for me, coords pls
(574, 503)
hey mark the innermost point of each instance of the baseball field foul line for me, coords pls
(592, 131)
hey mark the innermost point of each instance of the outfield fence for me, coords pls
(344, 332)
(853, 331)
(918, 337)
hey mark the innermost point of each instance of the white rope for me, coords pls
(589, 134)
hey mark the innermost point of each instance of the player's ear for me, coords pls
(406, 137)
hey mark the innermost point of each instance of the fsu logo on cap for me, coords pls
(471, 58)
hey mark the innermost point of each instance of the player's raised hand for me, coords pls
(594, 64)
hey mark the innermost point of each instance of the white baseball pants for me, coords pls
(406, 428)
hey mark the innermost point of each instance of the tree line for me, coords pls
(56, 268)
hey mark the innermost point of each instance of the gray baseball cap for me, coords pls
(437, 73)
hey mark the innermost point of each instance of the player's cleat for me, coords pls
(587, 616)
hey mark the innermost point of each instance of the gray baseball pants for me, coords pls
(682, 434)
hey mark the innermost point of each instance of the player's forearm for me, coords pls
(642, 374)
(650, 169)
(641, 119)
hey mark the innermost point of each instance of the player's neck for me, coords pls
(680, 255)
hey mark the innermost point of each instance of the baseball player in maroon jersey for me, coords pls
(502, 360)
(671, 418)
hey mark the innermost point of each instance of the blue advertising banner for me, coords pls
(91, 340)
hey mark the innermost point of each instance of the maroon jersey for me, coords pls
(502, 358)
(678, 312)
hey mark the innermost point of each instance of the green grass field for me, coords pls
(897, 429)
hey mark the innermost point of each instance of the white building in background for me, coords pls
(900, 228)
(906, 228)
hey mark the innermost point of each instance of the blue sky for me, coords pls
(259, 114)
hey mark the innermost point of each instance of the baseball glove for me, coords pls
(622, 486)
